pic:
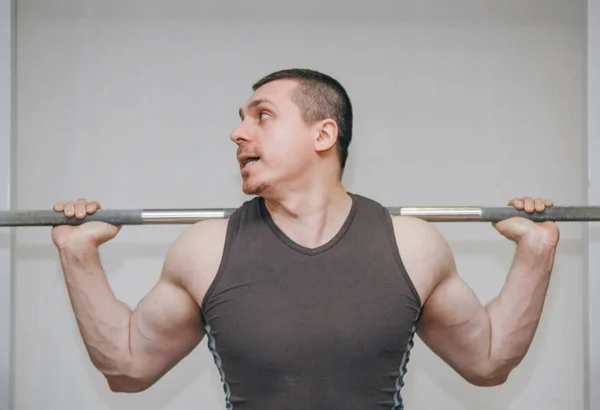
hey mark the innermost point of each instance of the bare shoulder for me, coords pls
(425, 253)
(193, 259)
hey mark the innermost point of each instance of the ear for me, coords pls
(327, 134)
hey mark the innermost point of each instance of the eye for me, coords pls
(263, 115)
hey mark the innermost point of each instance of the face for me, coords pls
(275, 145)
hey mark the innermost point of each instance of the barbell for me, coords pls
(16, 218)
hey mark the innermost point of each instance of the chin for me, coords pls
(254, 187)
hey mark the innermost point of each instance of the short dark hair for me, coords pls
(319, 96)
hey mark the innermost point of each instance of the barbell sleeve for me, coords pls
(53, 218)
(556, 214)
(17, 218)
(497, 214)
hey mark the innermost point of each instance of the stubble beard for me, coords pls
(253, 188)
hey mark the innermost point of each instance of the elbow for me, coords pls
(491, 380)
(490, 376)
(126, 379)
(126, 384)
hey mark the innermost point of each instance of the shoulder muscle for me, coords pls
(425, 253)
(193, 259)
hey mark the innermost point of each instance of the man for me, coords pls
(309, 295)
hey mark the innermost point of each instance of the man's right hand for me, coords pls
(88, 234)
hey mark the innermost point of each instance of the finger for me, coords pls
(92, 207)
(59, 207)
(517, 203)
(529, 205)
(540, 205)
(80, 211)
(549, 202)
(69, 209)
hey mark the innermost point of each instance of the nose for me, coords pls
(240, 134)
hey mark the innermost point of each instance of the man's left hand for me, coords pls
(517, 229)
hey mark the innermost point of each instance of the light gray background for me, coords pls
(6, 154)
(592, 300)
(471, 103)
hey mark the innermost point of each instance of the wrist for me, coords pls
(538, 242)
(78, 249)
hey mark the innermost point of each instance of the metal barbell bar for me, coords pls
(17, 218)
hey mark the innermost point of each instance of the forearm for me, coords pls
(515, 314)
(103, 320)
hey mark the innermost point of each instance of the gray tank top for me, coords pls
(328, 328)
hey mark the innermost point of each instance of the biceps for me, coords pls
(456, 326)
(165, 327)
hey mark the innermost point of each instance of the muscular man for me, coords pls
(309, 295)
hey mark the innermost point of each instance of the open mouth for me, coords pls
(249, 161)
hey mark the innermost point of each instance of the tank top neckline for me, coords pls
(283, 237)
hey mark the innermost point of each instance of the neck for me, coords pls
(311, 216)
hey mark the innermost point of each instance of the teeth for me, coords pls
(249, 161)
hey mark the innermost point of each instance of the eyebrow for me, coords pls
(254, 104)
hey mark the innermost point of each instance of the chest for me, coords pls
(287, 311)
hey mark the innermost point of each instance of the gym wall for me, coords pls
(131, 103)
(6, 165)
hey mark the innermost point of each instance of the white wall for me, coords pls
(6, 235)
(593, 129)
(132, 104)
